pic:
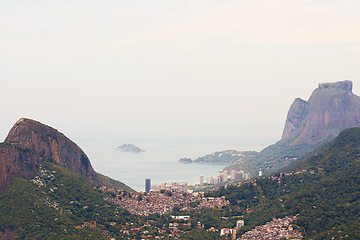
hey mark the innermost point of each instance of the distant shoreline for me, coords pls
(222, 157)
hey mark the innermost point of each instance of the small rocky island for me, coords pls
(185, 160)
(129, 148)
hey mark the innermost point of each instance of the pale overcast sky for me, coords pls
(171, 69)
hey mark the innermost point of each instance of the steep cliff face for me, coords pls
(331, 108)
(30, 143)
(295, 121)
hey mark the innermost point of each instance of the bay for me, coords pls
(159, 162)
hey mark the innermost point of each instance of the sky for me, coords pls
(160, 69)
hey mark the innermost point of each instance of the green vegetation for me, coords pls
(227, 157)
(54, 205)
(200, 234)
(274, 158)
(113, 183)
(4, 144)
(324, 189)
(58, 204)
(207, 187)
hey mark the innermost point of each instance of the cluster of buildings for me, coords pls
(231, 232)
(167, 231)
(276, 229)
(171, 230)
(173, 187)
(153, 202)
(162, 202)
(225, 176)
(211, 202)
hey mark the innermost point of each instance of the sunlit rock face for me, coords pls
(331, 108)
(30, 143)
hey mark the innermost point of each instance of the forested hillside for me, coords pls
(324, 190)
(57, 204)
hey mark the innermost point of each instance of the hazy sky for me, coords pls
(179, 69)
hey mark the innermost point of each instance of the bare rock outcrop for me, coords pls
(30, 143)
(331, 108)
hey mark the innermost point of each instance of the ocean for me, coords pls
(159, 162)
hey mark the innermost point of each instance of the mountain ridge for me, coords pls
(331, 108)
(31, 143)
(322, 190)
(56, 204)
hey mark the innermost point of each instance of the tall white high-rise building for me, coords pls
(260, 173)
(233, 175)
(224, 176)
(201, 180)
(214, 180)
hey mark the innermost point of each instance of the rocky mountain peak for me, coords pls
(345, 85)
(331, 108)
(30, 143)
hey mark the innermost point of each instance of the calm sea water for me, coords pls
(159, 162)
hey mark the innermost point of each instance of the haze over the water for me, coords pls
(211, 70)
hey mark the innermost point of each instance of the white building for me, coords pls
(175, 186)
(212, 180)
(186, 218)
(242, 174)
(240, 223)
(201, 180)
(226, 231)
(236, 175)
(233, 175)
(155, 188)
(224, 176)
